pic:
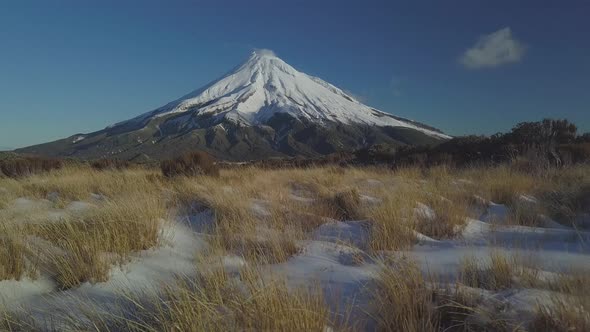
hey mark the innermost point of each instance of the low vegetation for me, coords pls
(217, 301)
(403, 301)
(25, 166)
(14, 263)
(263, 217)
(531, 146)
(568, 311)
(88, 246)
(110, 164)
(191, 164)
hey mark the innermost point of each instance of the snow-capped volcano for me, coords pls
(266, 85)
(263, 108)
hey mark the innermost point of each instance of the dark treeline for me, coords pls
(545, 143)
(529, 145)
(25, 166)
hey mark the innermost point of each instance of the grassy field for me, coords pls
(250, 238)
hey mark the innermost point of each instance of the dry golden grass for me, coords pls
(216, 301)
(562, 193)
(85, 246)
(10, 189)
(89, 244)
(569, 309)
(14, 255)
(396, 218)
(498, 274)
(563, 315)
(264, 239)
(450, 217)
(289, 205)
(343, 205)
(392, 228)
(403, 301)
(330, 192)
(573, 282)
(79, 182)
(10, 321)
(523, 214)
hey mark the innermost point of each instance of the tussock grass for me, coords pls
(525, 214)
(563, 193)
(263, 239)
(89, 245)
(566, 201)
(569, 309)
(502, 184)
(20, 321)
(450, 216)
(270, 305)
(392, 229)
(396, 219)
(573, 282)
(79, 182)
(290, 205)
(403, 301)
(216, 301)
(10, 189)
(499, 272)
(14, 255)
(563, 314)
(343, 205)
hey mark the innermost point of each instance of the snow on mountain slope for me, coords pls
(264, 86)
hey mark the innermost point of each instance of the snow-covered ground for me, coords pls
(336, 257)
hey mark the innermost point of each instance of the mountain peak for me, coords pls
(263, 108)
(264, 86)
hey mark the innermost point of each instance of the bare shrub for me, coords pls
(191, 164)
(343, 205)
(110, 164)
(20, 167)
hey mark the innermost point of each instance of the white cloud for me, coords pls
(358, 97)
(493, 50)
(265, 51)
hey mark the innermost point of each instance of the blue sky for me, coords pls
(467, 67)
